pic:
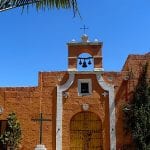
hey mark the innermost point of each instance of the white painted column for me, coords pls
(112, 119)
(59, 120)
(59, 110)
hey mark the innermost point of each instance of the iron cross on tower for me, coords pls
(84, 28)
(40, 120)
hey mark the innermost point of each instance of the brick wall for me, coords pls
(25, 102)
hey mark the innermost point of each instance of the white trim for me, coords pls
(105, 86)
(72, 57)
(72, 69)
(87, 72)
(79, 86)
(97, 57)
(59, 110)
(1, 110)
(40, 147)
(110, 89)
(98, 69)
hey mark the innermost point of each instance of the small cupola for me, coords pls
(92, 48)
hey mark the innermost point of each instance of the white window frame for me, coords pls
(80, 81)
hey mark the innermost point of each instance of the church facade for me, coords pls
(83, 108)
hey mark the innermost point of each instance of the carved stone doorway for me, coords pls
(86, 132)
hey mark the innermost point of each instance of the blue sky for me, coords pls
(36, 41)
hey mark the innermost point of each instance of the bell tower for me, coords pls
(85, 46)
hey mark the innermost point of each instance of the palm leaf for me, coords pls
(40, 4)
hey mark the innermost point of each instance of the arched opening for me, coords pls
(85, 62)
(86, 132)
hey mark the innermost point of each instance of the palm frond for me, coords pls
(40, 4)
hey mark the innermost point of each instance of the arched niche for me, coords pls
(85, 59)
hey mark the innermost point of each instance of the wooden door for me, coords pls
(3, 127)
(86, 132)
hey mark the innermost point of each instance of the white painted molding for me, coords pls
(1, 110)
(98, 69)
(79, 86)
(110, 89)
(106, 87)
(59, 109)
(72, 69)
(40, 147)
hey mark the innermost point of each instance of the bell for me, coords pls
(84, 65)
(80, 62)
(89, 62)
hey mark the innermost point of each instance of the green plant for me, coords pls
(12, 136)
(137, 113)
(40, 4)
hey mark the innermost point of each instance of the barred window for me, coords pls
(84, 87)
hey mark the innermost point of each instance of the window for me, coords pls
(84, 87)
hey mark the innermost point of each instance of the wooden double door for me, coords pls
(86, 132)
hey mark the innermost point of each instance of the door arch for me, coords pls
(86, 132)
